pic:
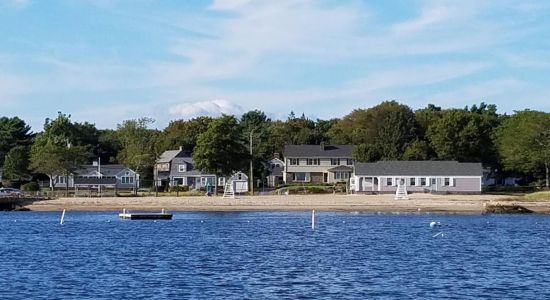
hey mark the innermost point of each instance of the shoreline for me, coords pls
(418, 203)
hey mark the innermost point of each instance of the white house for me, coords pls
(417, 176)
(317, 163)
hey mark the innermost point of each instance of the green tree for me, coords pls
(418, 150)
(221, 149)
(462, 135)
(387, 129)
(366, 153)
(16, 166)
(523, 142)
(137, 145)
(183, 133)
(255, 128)
(108, 146)
(13, 132)
(54, 151)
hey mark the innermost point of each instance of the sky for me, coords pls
(105, 61)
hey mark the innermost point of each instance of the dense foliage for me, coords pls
(388, 131)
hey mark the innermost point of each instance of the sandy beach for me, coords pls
(418, 203)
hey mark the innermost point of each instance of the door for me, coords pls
(367, 184)
(325, 177)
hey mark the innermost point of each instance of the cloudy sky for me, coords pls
(109, 60)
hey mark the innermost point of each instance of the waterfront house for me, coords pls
(317, 163)
(176, 168)
(93, 176)
(239, 180)
(417, 176)
(276, 169)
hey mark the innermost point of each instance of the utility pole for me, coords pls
(251, 170)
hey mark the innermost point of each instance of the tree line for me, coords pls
(516, 143)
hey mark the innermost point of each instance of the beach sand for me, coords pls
(417, 203)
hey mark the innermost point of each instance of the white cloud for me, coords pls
(205, 108)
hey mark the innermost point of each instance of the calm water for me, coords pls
(273, 255)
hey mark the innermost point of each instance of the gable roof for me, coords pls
(419, 168)
(106, 170)
(167, 156)
(335, 151)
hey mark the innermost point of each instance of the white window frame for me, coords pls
(349, 161)
(412, 181)
(307, 177)
(182, 168)
(313, 161)
(334, 161)
(294, 161)
(341, 175)
(127, 180)
(389, 181)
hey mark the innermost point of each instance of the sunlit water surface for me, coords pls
(273, 256)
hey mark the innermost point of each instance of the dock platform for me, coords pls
(145, 215)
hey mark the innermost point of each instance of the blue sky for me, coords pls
(105, 61)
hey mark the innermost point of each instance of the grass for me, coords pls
(538, 196)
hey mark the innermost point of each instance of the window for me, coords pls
(294, 161)
(423, 181)
(389, 181)
(313, 161)
(182, 168)
(61, 180)
(349, 161)
(221, 181)
(335, 161)
(412, 181)
(301, 176)
(127, 180)
(341, 175)
(447, 181)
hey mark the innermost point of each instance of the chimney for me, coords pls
(181, 148)
(277, 155)
(322, 146)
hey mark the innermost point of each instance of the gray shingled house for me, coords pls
(417, 176)
(176, 168)
(317, 163)
(93, 176)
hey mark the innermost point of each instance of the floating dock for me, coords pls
(145, 215)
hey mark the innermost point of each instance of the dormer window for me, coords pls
(182, 168)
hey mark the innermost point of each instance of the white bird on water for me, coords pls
(434, 224)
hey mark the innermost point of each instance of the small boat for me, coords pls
(163, 215)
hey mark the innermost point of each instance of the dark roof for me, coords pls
(94, 181)
(106, 170)
(335, 151)
(168, 156)
(419, 168)
(340, 169)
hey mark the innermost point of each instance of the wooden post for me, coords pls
(313, 220)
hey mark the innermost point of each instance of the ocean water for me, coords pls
(256, 255)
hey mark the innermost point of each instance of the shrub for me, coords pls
(179, 188)
(30, 187)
